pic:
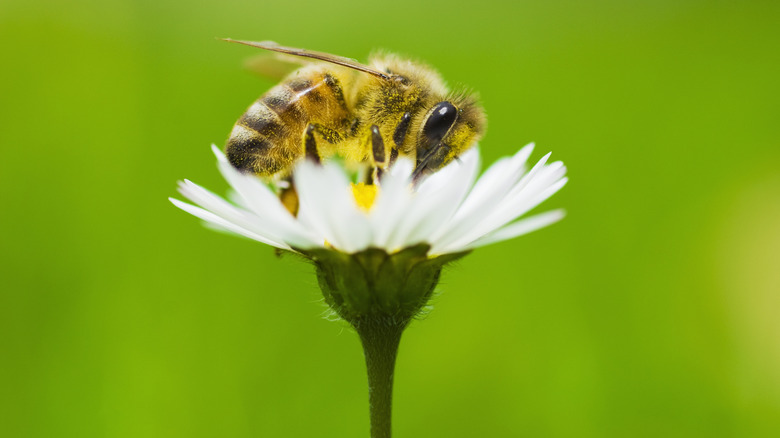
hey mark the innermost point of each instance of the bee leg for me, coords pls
(378, 152)
(310, 142)
(289, 198)
(393, 156)
(400, 135)
(401, 129)
(377, 146)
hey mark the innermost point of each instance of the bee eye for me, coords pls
(439, 122)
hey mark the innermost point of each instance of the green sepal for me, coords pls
(374, 284)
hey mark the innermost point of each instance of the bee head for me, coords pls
(448, 129)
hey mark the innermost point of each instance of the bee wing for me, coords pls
(274, 66)
(320, 56)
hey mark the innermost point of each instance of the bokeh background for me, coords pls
(652, 310)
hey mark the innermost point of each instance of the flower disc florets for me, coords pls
(380, 250)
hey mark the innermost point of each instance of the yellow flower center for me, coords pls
(364, 195)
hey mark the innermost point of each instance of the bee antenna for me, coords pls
(319, 56)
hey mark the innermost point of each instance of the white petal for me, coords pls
(523, 226)
(524, 205)
(328, 206)
(474, 223)
(531, 190)
(438, 197)
(264, 203)
(489, 191)
(221, 158)
(217, 221)
(443, 177)
(394, 199)
(531, 197)
(224, 209)
(545, 176)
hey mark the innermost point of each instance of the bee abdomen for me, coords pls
(244, 147)
(262, 141)
(267, 139)
(264, 121)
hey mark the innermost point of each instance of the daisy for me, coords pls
(379, 249)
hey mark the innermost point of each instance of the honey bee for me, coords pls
(363, 113)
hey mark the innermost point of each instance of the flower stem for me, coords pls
(380, 338)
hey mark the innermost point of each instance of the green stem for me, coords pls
(380, 338)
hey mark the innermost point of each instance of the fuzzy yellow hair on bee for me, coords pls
(365, 113)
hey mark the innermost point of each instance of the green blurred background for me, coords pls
(650, 311)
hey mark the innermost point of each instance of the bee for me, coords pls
(363, 113)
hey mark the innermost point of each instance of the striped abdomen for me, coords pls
(268, 138)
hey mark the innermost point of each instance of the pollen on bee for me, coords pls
(364, 195)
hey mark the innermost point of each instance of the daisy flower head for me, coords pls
(379, 248)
